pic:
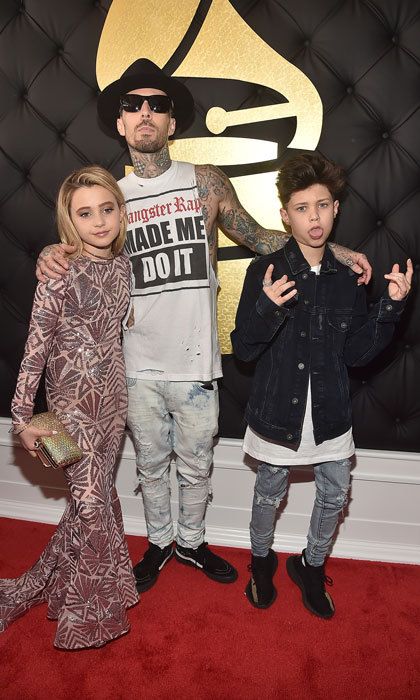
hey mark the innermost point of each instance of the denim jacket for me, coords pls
(313, 336)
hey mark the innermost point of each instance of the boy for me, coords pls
(303, 316)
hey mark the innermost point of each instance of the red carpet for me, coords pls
(194, 638)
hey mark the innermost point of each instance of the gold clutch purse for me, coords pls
(58, 450)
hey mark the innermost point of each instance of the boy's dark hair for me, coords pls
(308, 169)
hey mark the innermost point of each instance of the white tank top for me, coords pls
(174, 288)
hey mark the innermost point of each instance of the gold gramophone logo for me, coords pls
(210, 40)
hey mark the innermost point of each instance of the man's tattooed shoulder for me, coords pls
(211, 182)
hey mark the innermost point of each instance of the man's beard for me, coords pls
(149, 144)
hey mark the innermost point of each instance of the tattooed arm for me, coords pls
(221, 207)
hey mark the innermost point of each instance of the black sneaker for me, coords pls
(203, 558)
(149, 568)
(311, 581)
(260, 590)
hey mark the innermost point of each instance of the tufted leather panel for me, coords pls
(364, 59)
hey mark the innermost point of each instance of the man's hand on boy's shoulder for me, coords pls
(400, 282)
(353, 259)
(52, 261)
(357, 261)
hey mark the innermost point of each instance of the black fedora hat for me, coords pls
(145, 74)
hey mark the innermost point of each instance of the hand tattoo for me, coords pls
(45, 252)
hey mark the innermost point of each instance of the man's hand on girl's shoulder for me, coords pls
(52, 261)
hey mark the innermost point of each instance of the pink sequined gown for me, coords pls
(84, 574)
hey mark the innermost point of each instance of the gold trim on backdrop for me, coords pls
(266, 209)
(135, 29)
(258, 194)
(218, 119)
(230, 274)
(218, 52)
(208, 149)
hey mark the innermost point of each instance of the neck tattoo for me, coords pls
(150, 165)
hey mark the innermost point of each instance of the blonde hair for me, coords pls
(88, 176)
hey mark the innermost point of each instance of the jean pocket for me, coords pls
(339, 325)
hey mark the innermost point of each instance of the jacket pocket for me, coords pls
(339, 325)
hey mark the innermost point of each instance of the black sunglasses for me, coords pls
(161, 104)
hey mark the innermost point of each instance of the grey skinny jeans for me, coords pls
(332, 480)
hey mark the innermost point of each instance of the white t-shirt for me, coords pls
(281, 454)
(174, 288)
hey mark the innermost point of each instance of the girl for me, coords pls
(84, 574)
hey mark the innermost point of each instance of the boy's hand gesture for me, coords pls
(400, 283)
(276, 291)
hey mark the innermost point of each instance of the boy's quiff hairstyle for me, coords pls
(306, 169)
(88, 176)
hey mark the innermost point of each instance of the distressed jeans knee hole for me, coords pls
(265, 501)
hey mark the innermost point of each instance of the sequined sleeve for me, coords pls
(128, 318)
(46, 310)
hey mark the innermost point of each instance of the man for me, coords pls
(171, 347)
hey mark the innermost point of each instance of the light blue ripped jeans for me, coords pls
(332, 480)
(168, 417)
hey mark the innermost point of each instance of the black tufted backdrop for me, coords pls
(363, 56)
